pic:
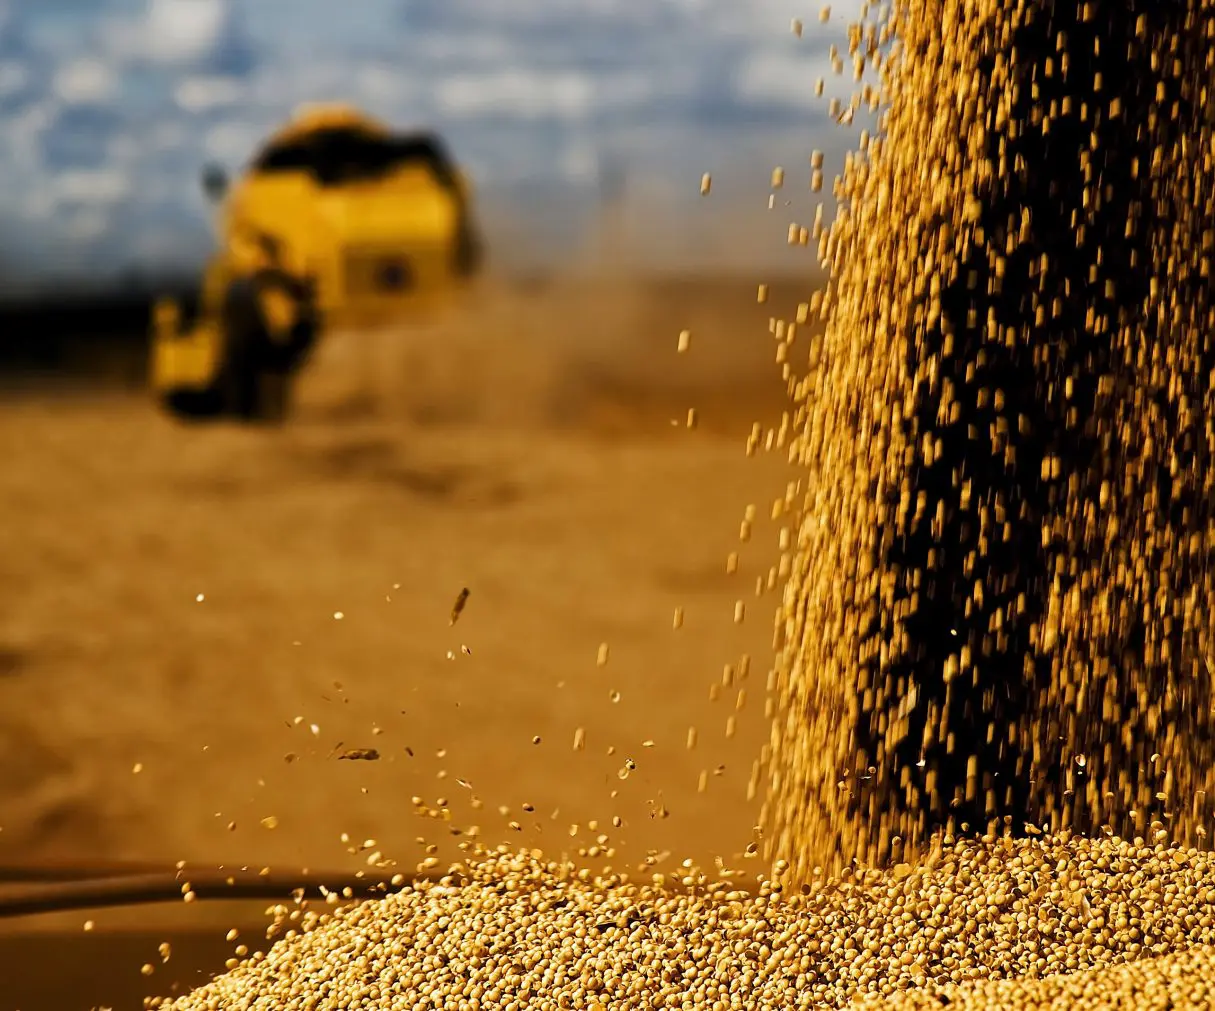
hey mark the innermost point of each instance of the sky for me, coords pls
(109, 109)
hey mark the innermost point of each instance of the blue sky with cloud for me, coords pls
(108, 108)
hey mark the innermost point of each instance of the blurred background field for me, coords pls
(169, 593)
(553, 473)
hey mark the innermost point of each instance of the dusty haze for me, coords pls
(531, 446)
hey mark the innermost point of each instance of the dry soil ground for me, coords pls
(169, 595)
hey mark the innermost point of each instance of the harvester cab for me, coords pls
(336, 221)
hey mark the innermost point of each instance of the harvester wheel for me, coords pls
(245, 341)
(258, 369)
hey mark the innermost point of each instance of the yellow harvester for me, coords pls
(336, 220)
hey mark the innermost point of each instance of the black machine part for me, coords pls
(257, 363)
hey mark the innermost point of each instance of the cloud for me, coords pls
(12, 41)
(86, 224)
(780, 78)
(206, 94)
(185, 31)
(520, 93)
(14, 78)
(85, 81)
(232, 141)
(201, 34)
(91, 186)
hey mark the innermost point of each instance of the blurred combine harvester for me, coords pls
(337, 220)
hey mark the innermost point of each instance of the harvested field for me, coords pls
(533, 448)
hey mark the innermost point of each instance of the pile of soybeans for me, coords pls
(991, 753)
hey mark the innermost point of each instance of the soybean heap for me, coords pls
(1000, 612)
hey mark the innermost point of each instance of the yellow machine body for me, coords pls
(187, 358)
(375, 226)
